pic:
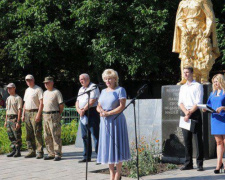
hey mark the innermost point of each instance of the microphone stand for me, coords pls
(87, 125)
(140, 91)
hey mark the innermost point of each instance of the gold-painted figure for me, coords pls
(195, 38)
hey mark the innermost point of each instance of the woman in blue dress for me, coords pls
(113, 138)
(217, 102)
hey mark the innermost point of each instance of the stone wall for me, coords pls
(149, 116)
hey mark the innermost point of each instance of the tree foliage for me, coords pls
(65, 38)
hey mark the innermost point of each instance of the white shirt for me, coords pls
(32, 97)
(191, 94)
(83, 99)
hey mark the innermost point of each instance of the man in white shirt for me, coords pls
(32, 111)
(94, 119)
(191, 94)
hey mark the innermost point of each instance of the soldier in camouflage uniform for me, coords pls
(12, 121)
(32, 112)
(53, 107)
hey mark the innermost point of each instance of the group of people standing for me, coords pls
(109, 132)
(191, 94)
(36, 103)
(106, 122)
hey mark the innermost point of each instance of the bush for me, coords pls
(69, 133)
(149, 158)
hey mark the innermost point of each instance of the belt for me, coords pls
(12, 115)
(31, 110)
(50, 112)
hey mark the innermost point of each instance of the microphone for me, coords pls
(100, 85)
(142, 89)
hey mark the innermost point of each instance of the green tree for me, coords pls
(66, 38)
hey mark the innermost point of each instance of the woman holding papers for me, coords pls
(217, 102)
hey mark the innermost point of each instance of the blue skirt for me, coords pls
(218, 124)
(113, 140)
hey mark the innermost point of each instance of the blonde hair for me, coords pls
(111, 74)
(221, 81)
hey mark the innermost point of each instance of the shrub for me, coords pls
(69, 133)
(149, 158)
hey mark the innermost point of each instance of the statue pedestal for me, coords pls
(172, 137)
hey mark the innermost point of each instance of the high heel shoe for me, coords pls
(219, 170)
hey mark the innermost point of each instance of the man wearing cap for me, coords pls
(94, 119)
(14, 105)
(32, 111)
(53, 107)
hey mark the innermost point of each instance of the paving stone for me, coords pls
(70, 169)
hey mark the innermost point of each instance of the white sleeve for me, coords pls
(180, 100)
(25, 96)
(40, 93)
(94, 94)
(78, 98)
(199, 95)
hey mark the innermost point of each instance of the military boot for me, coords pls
(17, 154)
(30, 154)
(40, 155)
(12, 153)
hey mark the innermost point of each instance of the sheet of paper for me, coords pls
(185, 125)
(204, 106)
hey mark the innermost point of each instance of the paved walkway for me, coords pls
(69, 169)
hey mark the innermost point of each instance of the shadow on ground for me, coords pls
(217, 177)
(75, 155)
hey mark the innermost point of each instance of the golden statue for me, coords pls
(195, 38)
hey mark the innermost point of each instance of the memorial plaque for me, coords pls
(173, 145)
(172, 137)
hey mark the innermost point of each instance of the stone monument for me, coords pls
(196, 42)
(172, 137)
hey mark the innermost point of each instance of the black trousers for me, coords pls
(198, 140)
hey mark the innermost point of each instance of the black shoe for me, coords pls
(217, 171)
(30, 155)
(17, 154)
(200, 168)
(186, 168)
(84, 160)
(57, 158)
(48, 157)
(12, 153)
(39, 156)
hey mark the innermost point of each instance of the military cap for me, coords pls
(48, 79)
(29, 76)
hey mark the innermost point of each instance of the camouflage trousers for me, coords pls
(13, 133)
(34, 131)
(52, 134)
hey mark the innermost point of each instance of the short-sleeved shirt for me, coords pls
(110, 100)
(191, 94)
(52, 100)
(32, 97)
(13, 104)
(83, 99)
